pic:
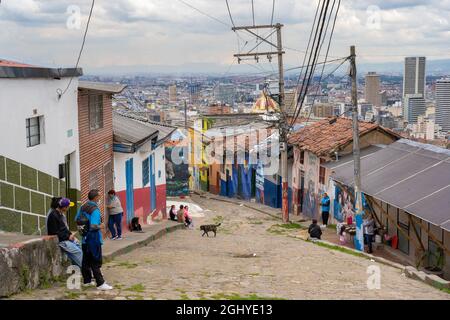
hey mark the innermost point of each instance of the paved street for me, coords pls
(250, 258)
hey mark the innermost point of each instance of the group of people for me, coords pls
(87, 255)
(315, 230)
(181, 215)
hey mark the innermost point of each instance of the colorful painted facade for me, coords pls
(140, 168)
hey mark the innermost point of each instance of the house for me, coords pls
(140, 166)
(96, 138)
(39, 149)
(326, 141)
(406, 186)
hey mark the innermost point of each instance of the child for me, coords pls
(342, 235)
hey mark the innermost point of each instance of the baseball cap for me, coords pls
(64, 202)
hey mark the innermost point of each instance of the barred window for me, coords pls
(33, 126)
(95, 111)
(145, 172)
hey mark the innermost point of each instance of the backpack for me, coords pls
(83, 220)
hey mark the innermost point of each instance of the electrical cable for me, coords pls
(60, 94)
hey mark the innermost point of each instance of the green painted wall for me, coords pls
(25, 195)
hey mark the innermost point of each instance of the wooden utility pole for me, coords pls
(283, 128)
(356, 149)
(359, 241)
(185, 115)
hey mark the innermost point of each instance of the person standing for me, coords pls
(57, 226)
(89, 220)
(369, 230)
(115, 214)
(325, 203)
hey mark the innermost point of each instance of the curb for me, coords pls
(234, 202)
(152, 237)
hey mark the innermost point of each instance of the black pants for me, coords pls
(91, 266)
(325, 216)
(369, 240)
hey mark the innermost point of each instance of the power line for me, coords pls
(309, 72)
(229, 13)
(204, 13)
(60, 94)
(273, 10)
(328, 48)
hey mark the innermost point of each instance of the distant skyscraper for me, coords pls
(225, 93)
(173, 93)
(443, 104)
(413, 106)
(372, 91)
(414, 88)
(414, 76)
(194, 92)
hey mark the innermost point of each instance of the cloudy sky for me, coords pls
(170, 33)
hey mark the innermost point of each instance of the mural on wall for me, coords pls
(177, 175)
(343, 206)
(310, 201)
(259, 183)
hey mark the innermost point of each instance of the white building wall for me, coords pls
(138, 157)
(18, 99)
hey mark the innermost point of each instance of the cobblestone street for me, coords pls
(249, 258)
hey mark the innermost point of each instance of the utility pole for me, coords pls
(356, 149)
(359, 241)
(185, 115)
(283, 128)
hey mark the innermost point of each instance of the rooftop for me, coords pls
(13, 69)
(323, 138)
(408, 175)
(101, 86)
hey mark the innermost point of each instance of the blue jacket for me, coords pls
(94, 219)
(325, 202)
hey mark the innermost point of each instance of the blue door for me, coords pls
(152, 183)
(130, 190)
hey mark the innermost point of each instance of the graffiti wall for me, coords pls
(177, 175)
(311, 199)
(343, 206)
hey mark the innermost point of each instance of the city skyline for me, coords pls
(161, 34)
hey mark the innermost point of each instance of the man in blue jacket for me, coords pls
(325, 203)
(89, 217)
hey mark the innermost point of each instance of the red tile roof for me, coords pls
(8, 63)
(323, 138)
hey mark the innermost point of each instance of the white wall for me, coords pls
(18, 99)
(138, 157)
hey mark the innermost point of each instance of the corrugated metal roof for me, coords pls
(128, 130)
(164, 130)
(412, 176)
(101, 86)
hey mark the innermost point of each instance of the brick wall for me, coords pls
(25, 196)
(96, 147)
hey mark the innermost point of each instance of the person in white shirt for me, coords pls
(115, 213)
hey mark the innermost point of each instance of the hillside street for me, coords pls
(251, 257)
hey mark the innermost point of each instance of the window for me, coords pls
(322, 171)
(145, 172)
(302, 157)
(33, 126)
(95, 111)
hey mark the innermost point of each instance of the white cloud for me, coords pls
(167, 32)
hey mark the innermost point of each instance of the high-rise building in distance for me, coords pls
(414, 76)
(372, 90)
(173, 93)
(414, 88)
(443, 104)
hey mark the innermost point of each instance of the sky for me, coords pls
(168, 33)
